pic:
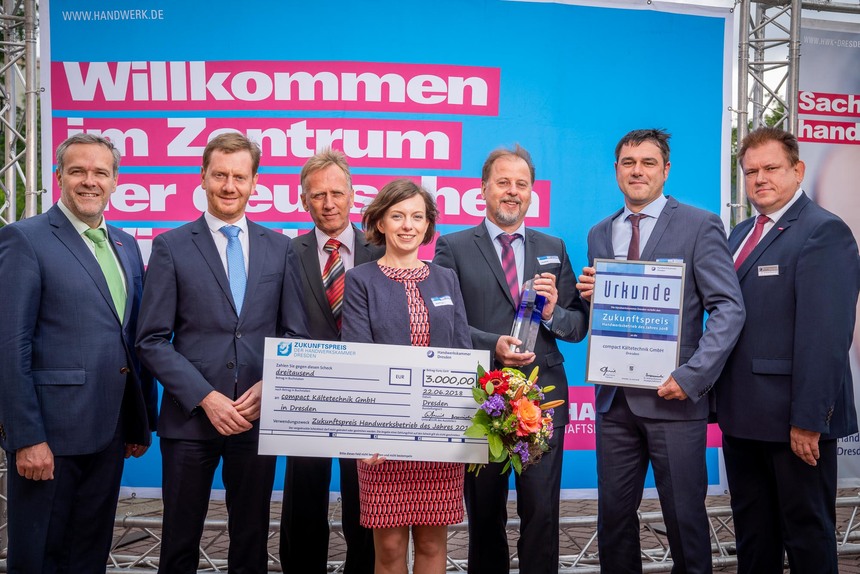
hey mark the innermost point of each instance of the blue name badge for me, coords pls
(548, 260)
(442, 301)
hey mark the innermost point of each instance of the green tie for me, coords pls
(109, 268)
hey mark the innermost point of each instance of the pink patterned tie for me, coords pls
(752, 241)
(509, 264)
(333, 278)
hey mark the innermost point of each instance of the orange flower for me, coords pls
(529, 416)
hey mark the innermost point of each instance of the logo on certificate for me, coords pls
(285, 349)
(430, 354)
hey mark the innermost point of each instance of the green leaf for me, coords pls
(481, 371)
(476, 431)
(506, 467)
(479, 395)
(481, 418)
(518, 464)
(496, 447)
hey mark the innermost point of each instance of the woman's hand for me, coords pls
(374, 460)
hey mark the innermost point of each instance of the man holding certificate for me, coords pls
(667, 425)
(492, 261)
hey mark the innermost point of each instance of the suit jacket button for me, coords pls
(238, 335)
(231, 364)
(124, 371)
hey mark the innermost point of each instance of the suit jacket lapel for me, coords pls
(122, 256)
(311, 264)
(529, 256)
(202, 238)
(363, 250)
(604, 236)
(69, 236)
(257, 255)
(659, 229)
(485, 245)
(779, 227)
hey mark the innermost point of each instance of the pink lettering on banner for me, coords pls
(284, 141)
(824, 104)
(715, 436)
(279, 85)
(579, 434)
(816, 131)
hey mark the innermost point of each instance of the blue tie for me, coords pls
(235, 265)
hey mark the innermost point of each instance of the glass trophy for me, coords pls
(528, 318)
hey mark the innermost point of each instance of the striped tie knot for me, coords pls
(509, 264)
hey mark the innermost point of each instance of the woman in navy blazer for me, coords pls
(401, 300)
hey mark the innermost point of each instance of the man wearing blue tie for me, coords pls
(216, 287)
(73, 399)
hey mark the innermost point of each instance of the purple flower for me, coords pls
(494, 405)
(522, 449)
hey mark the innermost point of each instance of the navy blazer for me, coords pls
(490, 308)
(375, 308)
(321, 323)
(790, 366)
(190, 335)
(696, 237)
(67, 364)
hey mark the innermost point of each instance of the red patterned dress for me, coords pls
(402, 493)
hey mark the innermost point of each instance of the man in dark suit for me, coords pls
(666, 426)
(492, 261)
(73, 400)
(328, 196)
(216, 287)
(786, 393)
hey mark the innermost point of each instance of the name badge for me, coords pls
(548, 260)
(768, 270)
(442, 301)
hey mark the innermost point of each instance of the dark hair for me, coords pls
(517, 151)
(87, 139)
(658, 137)
(762, 136)
(232, 142)
(393, 193)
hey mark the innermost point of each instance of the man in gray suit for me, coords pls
(73, 399)
(667, 427)
(328, 196)
(216, 288)
(492, 260)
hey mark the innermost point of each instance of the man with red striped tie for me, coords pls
(492, 260)
(331, 248)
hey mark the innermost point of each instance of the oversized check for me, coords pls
(351, 400)
(635, 322)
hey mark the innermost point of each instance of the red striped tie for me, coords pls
(509, 265)
(752, 241)
(332, 277)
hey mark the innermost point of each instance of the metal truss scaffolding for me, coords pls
(768, 80)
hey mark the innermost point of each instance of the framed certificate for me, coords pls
(351, 400)
(635, 324)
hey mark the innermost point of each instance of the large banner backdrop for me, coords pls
(405, 88)
(829, 135)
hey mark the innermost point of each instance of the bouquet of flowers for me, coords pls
(511, 416)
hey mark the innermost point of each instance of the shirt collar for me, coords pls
(776, 215)
(653, 209)
(495, 230)
(216, 224)
(79, 225)
(346, 238)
